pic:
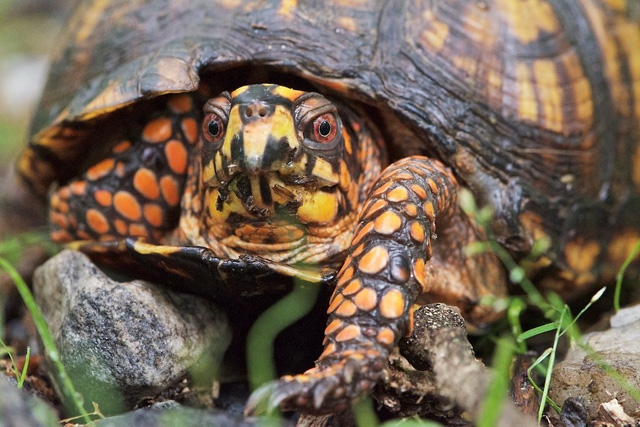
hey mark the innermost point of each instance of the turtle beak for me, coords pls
(260, 138)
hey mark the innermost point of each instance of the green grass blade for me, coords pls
(552, 359)
(72, 400)
(516, 307)
(8, 350)
(260, 365)
(548, 327)
(24, 368)
(364, 414)
(497, 389)
(620, 275)
(539, 360)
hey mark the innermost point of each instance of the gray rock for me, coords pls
(122, 342)
(617, 348)
(18, 408)
(171, 414)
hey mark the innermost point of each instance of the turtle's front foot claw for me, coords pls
(314, 392)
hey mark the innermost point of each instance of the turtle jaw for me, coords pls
(267, 195)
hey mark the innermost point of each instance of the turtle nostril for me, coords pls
(248, 112)
(262, 111)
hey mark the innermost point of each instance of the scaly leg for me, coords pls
(378, 284)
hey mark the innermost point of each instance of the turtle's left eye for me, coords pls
(324, 128)
(213, 128)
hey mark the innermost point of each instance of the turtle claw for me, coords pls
(260, 400)
(318, 391)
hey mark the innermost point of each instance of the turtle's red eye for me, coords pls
(324, 128)
(213, 128)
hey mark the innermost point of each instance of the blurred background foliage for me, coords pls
(28, 32)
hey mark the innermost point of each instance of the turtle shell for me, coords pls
(534, 104)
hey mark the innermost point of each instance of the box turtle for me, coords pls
(220, 146)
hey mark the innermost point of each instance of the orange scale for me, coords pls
(145, 183)
(364, 230)
(346, 276)
(382, 189)
(121, 147)
(190, 130)
(73, 222)
(78, 188)
(374, 261)
(84, 235)
(348, 333)
(157, 130)
(375, 207)
(386, 337)
(121, 226)
(411, 209)
(103, 197)
(372, 353)
(120, 169)
(153, 214)
(420, 273)
(366, 299)
(63, 207)
(335, 303)
(333, 326)
(61, 236)
(429, 210)
(331, 348)
(169, 190)
(97, 221)
(358, 250)
(410, 326)
(346, 309)
(352, 287)
(387, 223)
(416, 170)
(127, 205)
(176, 156)
(416, 231)
(432, 186)
(403, 176)
(138, 230)
(419, 191)
(392, 304)
(398, 194)
(64, 193)
(100, 170)
(58, 219)
(357, 356)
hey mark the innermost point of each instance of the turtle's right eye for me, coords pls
(213, 128)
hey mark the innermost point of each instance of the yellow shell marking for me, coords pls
(527, 106)
(528, 19)
(581, 256)
(287, 7)
(434, 36)
(546, 77)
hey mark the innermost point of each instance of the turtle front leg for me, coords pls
(386, 270)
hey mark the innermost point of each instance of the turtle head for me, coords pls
(272, 151)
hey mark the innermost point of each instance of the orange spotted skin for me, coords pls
(297, 182)
(136, 190)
